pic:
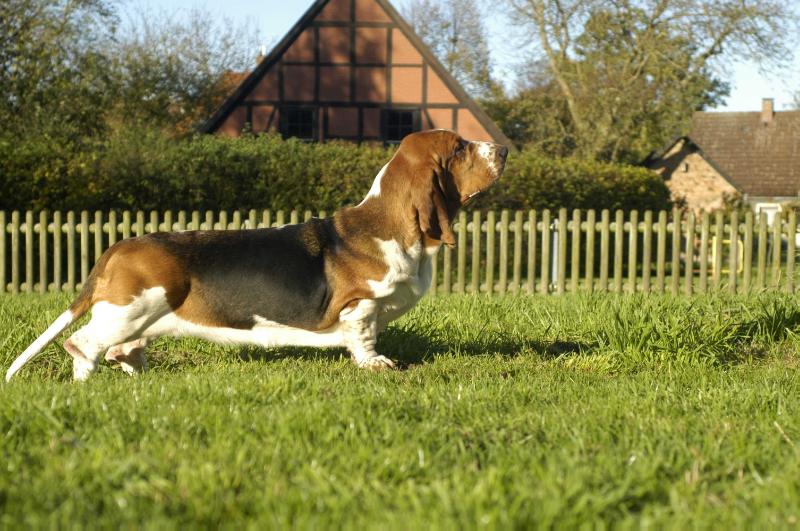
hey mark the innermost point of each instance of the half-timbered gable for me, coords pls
(352, 70)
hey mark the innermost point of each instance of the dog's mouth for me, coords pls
(467, 199)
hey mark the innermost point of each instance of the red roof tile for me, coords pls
(758, 158)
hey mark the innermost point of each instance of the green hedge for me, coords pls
(144, 169)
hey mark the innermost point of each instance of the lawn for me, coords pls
(513, 412)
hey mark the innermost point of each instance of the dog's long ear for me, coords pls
(432, 213)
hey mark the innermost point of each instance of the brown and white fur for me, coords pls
(325, 283)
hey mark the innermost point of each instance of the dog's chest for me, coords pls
(407, 279)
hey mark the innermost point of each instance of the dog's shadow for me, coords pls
(409, 347)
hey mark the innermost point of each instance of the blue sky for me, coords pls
(273, 18)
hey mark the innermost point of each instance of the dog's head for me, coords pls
(440, 172)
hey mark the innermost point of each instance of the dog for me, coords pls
(334, 282)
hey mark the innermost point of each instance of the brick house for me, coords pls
(352, 70)
(752, 156)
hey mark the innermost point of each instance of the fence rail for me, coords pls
(497, 252)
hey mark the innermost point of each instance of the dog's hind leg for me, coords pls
(112, 325)
(130, 356)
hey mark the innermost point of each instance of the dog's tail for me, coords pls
(75, 312)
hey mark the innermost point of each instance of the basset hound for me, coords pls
(333, 282)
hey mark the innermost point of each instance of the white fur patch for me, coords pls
(487, 151)
(150, 316)
(375, 189)
(406, 281)
(265, 333)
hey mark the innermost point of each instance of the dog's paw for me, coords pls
(377, 364)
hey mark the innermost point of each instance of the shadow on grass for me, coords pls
(410, 347)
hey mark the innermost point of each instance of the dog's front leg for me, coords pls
(360, 331)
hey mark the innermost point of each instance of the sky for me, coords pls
(273, 18)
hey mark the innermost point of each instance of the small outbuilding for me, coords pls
(351, 70)
(731, 156)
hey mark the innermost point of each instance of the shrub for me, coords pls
(534, 181)
(145, 169)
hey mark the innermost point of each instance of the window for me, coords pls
(299, 122)
(399, 123)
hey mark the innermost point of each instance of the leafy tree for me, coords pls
(53, 74)
(454, 30)
(631, 72)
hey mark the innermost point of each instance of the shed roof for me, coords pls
(757, 152)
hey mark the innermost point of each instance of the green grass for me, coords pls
(510, 413)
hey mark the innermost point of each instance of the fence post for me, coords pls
(661, 257)
(761, 272)
(605, 242)
(58, 276)
(718, 235)
(43, 252)
(112, 228)
(633, 250)
(461, 276)
(15, 252)
(791, 231)
(676, 251)
(434, 273)
(503, 276)
(517, 266)
(561, 281)
(689, 252)
(168, 222)
(748, 251)
(575, 270)
(446, 272)
(546, 251)
(533, 231)
(84, 246)
(98, 235)
(28, 252)
(647, 251)
(153, 226)
(705, 231)
(591, 226)
(490, 229)
(619, 242)
(71, 259)
(126, 225)
(475, 281)
(139, 228)
(733, 259)
(777, 230)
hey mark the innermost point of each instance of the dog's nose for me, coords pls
(502, 152)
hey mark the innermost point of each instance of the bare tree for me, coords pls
(454, 30)
(176, 70)
(628, 68)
